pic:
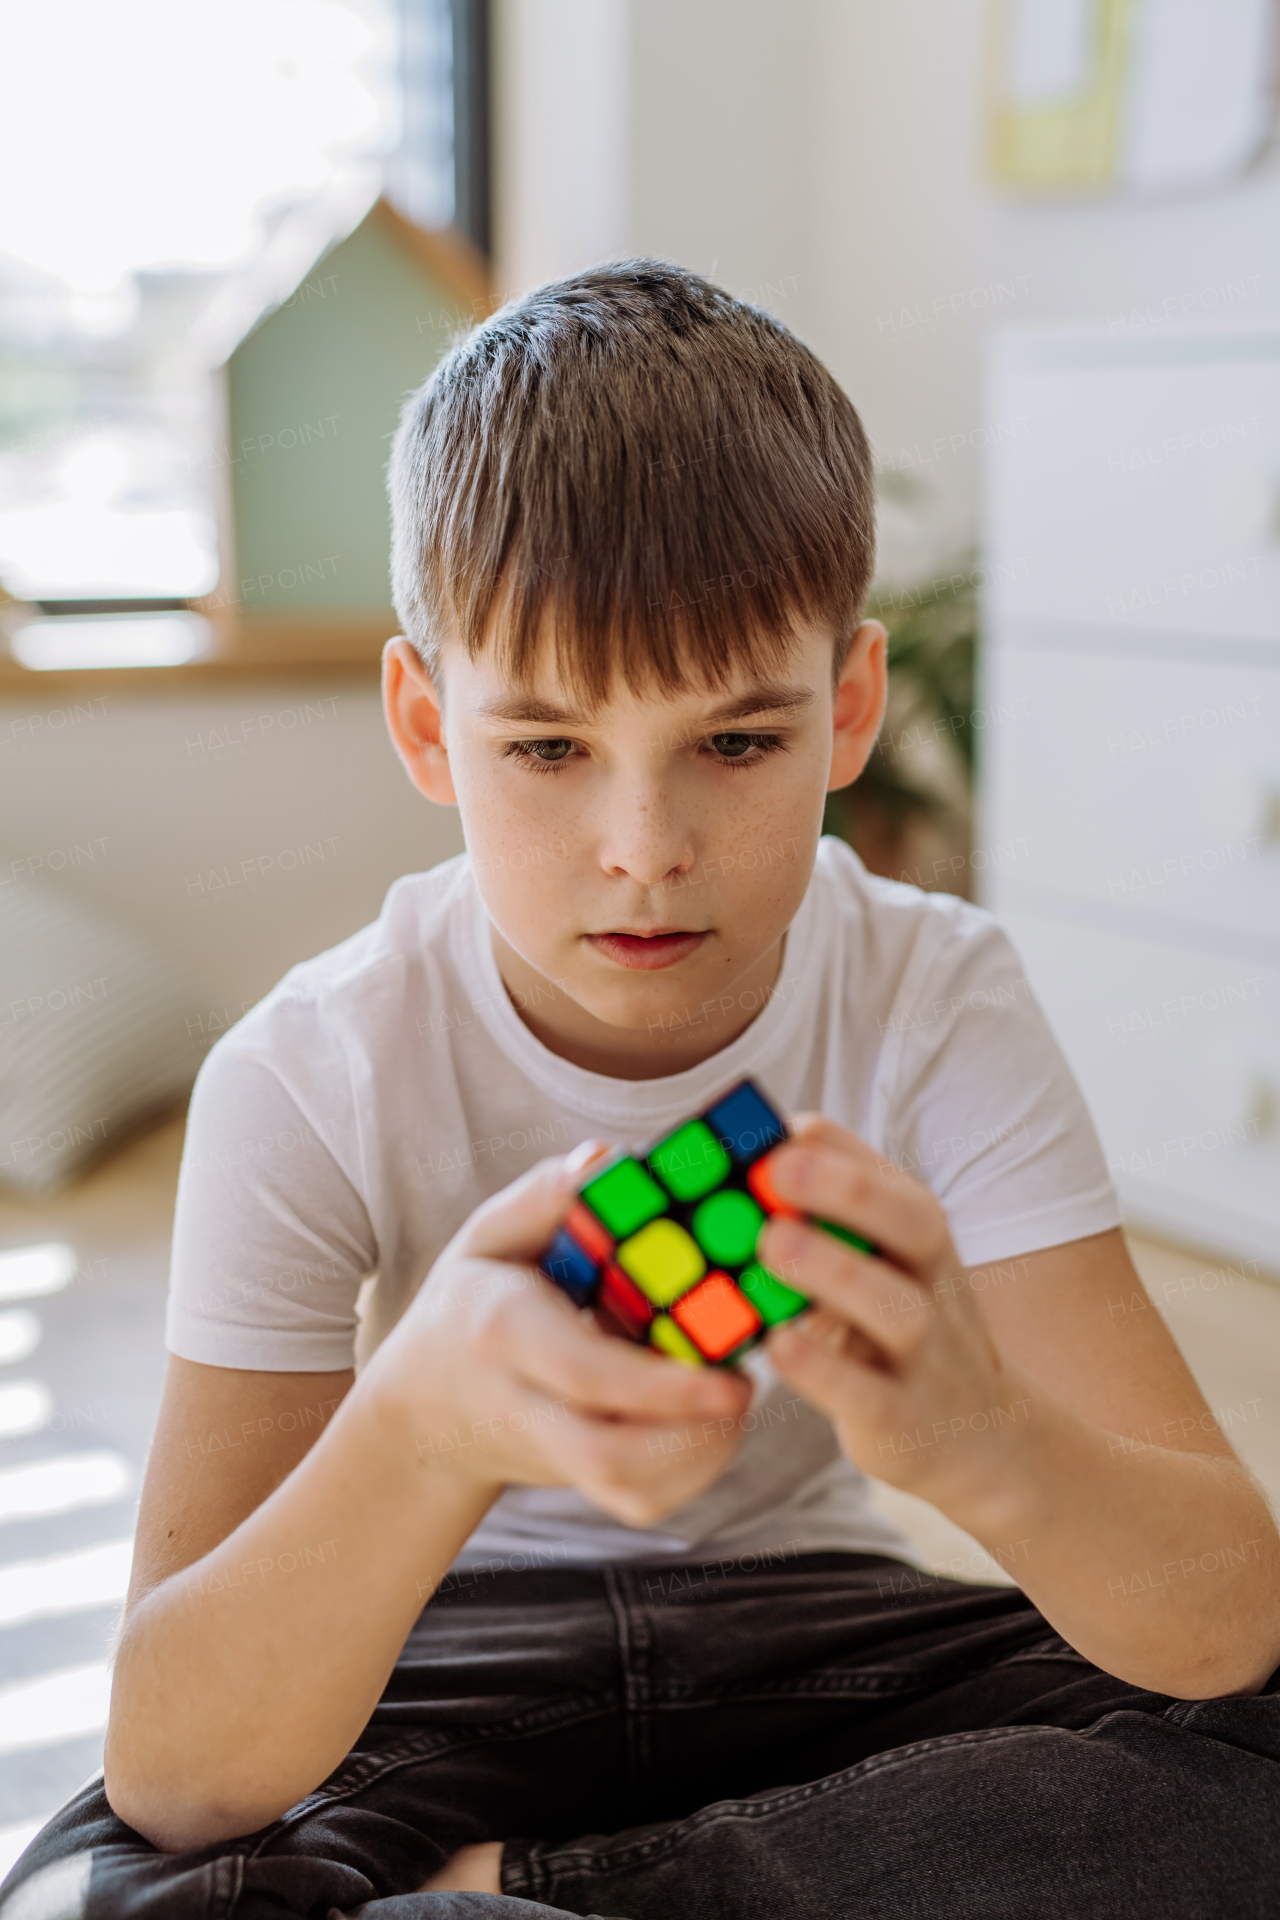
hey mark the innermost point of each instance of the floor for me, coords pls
(80, 1369)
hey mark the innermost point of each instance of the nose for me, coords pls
(643, 836)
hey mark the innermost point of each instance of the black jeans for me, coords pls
(834, 1735)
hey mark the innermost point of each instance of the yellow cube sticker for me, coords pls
(663, 1260)
(667, 1337)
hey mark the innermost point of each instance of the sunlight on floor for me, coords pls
(82, 1284)
(59, 1485)
(57, 1706)
(64, 1582)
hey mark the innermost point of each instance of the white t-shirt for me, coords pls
(345, 1128)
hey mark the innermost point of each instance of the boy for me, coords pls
(675, 1662)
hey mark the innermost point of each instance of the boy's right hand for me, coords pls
(494, 1375)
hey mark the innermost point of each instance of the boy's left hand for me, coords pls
(895, 1350)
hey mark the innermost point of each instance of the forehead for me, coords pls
(549, 694)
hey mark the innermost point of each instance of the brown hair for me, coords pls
(666, 471)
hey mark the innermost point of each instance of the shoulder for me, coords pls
(898, 937)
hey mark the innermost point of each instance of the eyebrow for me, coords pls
(770, 697)
(524, 709)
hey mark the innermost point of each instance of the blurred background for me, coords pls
(1036, 242)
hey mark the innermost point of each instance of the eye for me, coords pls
(540, 755)
(743, 749)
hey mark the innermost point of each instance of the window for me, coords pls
(182, 169)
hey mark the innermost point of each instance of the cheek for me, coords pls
(771, 852)
(505, 807)
(520, 831)
(767, 832)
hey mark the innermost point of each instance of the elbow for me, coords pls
(1236, 1673)
(170, 1824)
(176, 1815)
(147, 1815)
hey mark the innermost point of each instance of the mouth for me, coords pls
(646, 951)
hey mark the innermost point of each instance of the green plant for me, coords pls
(932, 643)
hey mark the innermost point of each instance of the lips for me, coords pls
(646, 951)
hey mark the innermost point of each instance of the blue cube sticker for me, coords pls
(746, 1123)
(570, 1267)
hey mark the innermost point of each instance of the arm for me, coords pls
(274, 1592)
(1085, 1461)
(263, 1619)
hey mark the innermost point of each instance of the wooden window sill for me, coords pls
(270, 646)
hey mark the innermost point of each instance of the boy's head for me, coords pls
(633, 533)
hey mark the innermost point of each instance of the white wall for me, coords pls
(243, 830)
(827, 156)
(559, 97)
(902, 216)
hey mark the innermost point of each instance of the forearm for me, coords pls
(243, 1680)
(1160, 1566)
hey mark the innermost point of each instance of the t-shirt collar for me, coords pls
(632, 1111)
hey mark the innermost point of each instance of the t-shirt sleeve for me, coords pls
(986, 1111)
(271, 1238)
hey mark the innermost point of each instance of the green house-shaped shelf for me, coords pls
(314, 393)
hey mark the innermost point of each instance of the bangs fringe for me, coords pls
(656, 478)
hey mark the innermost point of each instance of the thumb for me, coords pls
(517, 1223)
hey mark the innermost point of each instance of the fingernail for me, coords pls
(802, 1164)
(786, 1239)
(583, 1154)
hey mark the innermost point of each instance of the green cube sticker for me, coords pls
(691, 1161)
(726, 1226)
(625, 1197)
(662, 1260)
(771, 1299)
(843, 1233)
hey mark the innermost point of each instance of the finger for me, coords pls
(552, 1347)
(835, 1335)
(816, 1354)
(640, 1473)
(853, 1186)
(889, 1307)
(517, 1223)
(816, 1130)
(656, 1451)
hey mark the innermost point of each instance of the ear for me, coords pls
(415, 722)
(859, 704)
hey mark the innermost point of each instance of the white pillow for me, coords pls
(95, 1033)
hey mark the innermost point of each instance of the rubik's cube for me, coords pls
(663, 1244)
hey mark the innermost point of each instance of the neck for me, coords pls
(651, 1052)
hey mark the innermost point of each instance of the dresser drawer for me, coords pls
(1178, 1056)
(1150, 789)
(1134, 481)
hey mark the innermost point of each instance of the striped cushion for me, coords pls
(95, 1032)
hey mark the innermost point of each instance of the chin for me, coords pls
(652, 1012)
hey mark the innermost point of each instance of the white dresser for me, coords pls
(1129, 720)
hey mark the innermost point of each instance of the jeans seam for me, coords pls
(635, 1649)
(228, 1869)
(544, 1873)
(842, 1685)
(863, 1684)
(430, 1746)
